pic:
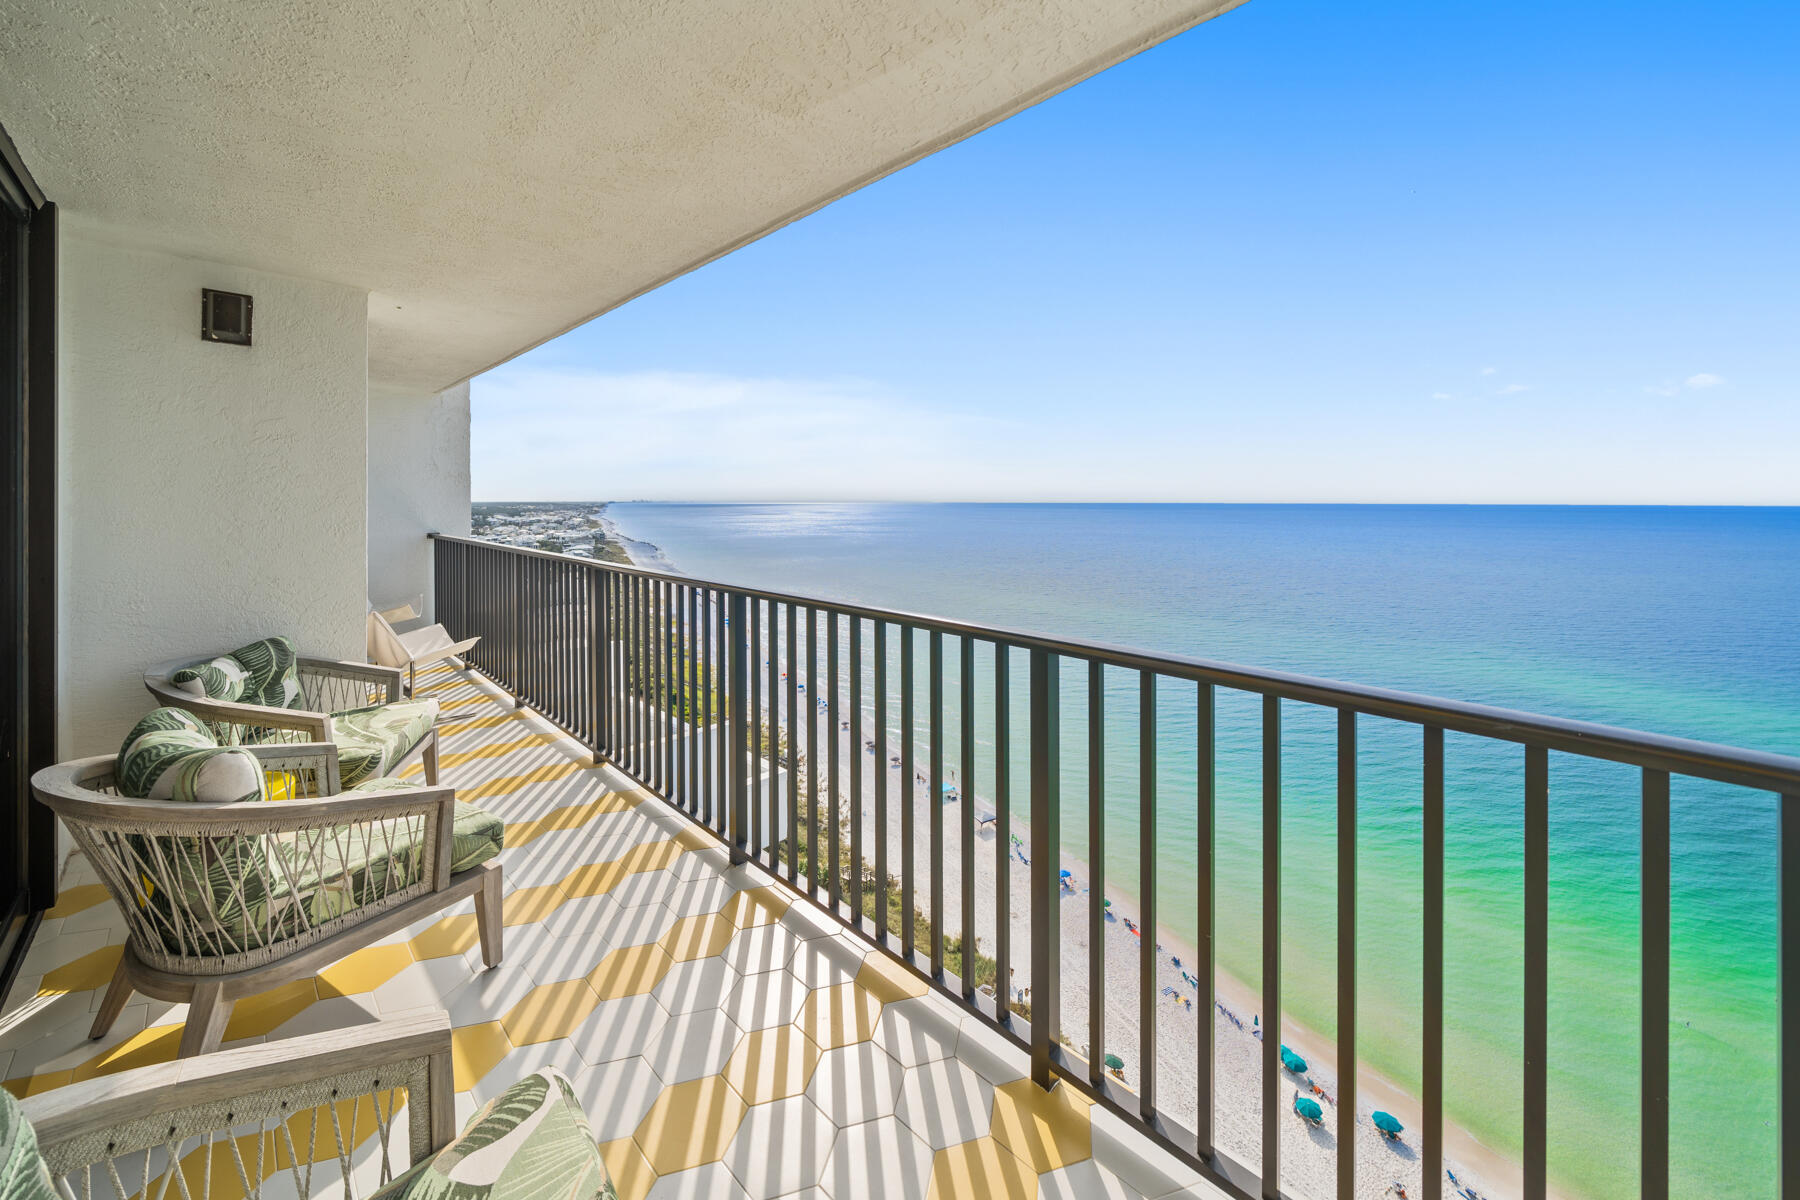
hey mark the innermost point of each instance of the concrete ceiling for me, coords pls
(497, 173)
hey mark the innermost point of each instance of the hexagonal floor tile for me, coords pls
(619, 1028)
(917, 1031)
(1046, 1129)
(692, 1044)
(714, 1181)
(698, 937)
(630, 971)
(761, 948)
(522, 1062)
(856, 1083)
(888, 980)
(1086, 1180)
(640, 925)
(690, 1125)
(691, 986)
(616, 1096)
(630, 1170)
(945, 1103)
(837, 1016)
(764, 1000)
(824, 962)
(566, 957)
(549, 1012)
(698, 893)
(772, 1064)
(982, 1168)
(781, 1147)
(645, 887)
(880, 1158)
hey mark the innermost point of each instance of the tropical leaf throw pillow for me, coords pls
(220, 678)
(531, 1142)
(170, 755)
(272, 675)
(23, 1175)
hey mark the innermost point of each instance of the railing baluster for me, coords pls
(1002, 836)
(1537, 974)
(1653, 1104)
(1204, 920)
(935, 799)
(1432, 1042)
(753, 746)
(1271, 949)
(1147, 994)
(812, 752)
(834, 788)
(1046, 901)
(881, 777)
(909, 795)
(1346, 952)
(793, 746)
(773, 845)
(1096, 723)
(965, 794)
(1788, 993)
(741, 683)
(856, 774)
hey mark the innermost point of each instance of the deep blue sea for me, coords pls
(1682, 621)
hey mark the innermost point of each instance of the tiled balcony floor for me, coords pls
(725, 1042)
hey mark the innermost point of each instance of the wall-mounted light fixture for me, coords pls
(225, 317)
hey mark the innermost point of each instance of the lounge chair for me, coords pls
(265, 693)
(415, 648)
(242, 868)
(314, 1116)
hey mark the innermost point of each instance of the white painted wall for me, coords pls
(210, 494)
(418, 484)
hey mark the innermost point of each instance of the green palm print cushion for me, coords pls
(220, 678)
(23, 1175)
(272, 673)
(531, 1142)
(371, 740)
(170, 755)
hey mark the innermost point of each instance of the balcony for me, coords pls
(725, 1036)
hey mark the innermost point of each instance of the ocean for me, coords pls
(1682, 621)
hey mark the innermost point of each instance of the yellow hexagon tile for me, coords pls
(549, 1012)
(693, 838)
(528, 906)
(76, 899)
(154, 1045)
(757, 906)
(365, 970)
(593, 879)
(649, 856)
(698, 937)
(837, 1016)
(91, 970)
(888, 980)
(772, 1064)
(630, 971)
(982, 1168)
(1047, 1129)
(690, 1125)
(452, 935)
(630, 1170)
(31, 1085)
(474, 1051)
(258, 1015)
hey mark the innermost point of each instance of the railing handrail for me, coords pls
(1757, 769)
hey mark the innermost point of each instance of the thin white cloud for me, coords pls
(1489, 370)
(1704, 380)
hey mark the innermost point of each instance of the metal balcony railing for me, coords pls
(693, 688)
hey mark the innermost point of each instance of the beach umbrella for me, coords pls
(1114, 1063)
(1386, 1122)
(1067, 874)
(1292, 1061)
(1109, 904)
(1309, 1108)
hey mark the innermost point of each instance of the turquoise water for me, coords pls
(1681, 621)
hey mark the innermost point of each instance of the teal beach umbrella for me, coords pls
(1114, 1062)
(1386, 1122)
(1292, 1061)
(1309, 1108)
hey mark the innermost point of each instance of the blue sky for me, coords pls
(1307, 251)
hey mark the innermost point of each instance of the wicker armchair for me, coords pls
(294, 1113)
(222, 901)
(327, 686)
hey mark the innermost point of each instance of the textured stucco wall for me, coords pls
(209, 494)
(418, 484)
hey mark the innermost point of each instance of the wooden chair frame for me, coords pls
(128, 842)
(327, 684)
(90, 1126)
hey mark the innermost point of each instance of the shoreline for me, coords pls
(1308, 1154)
